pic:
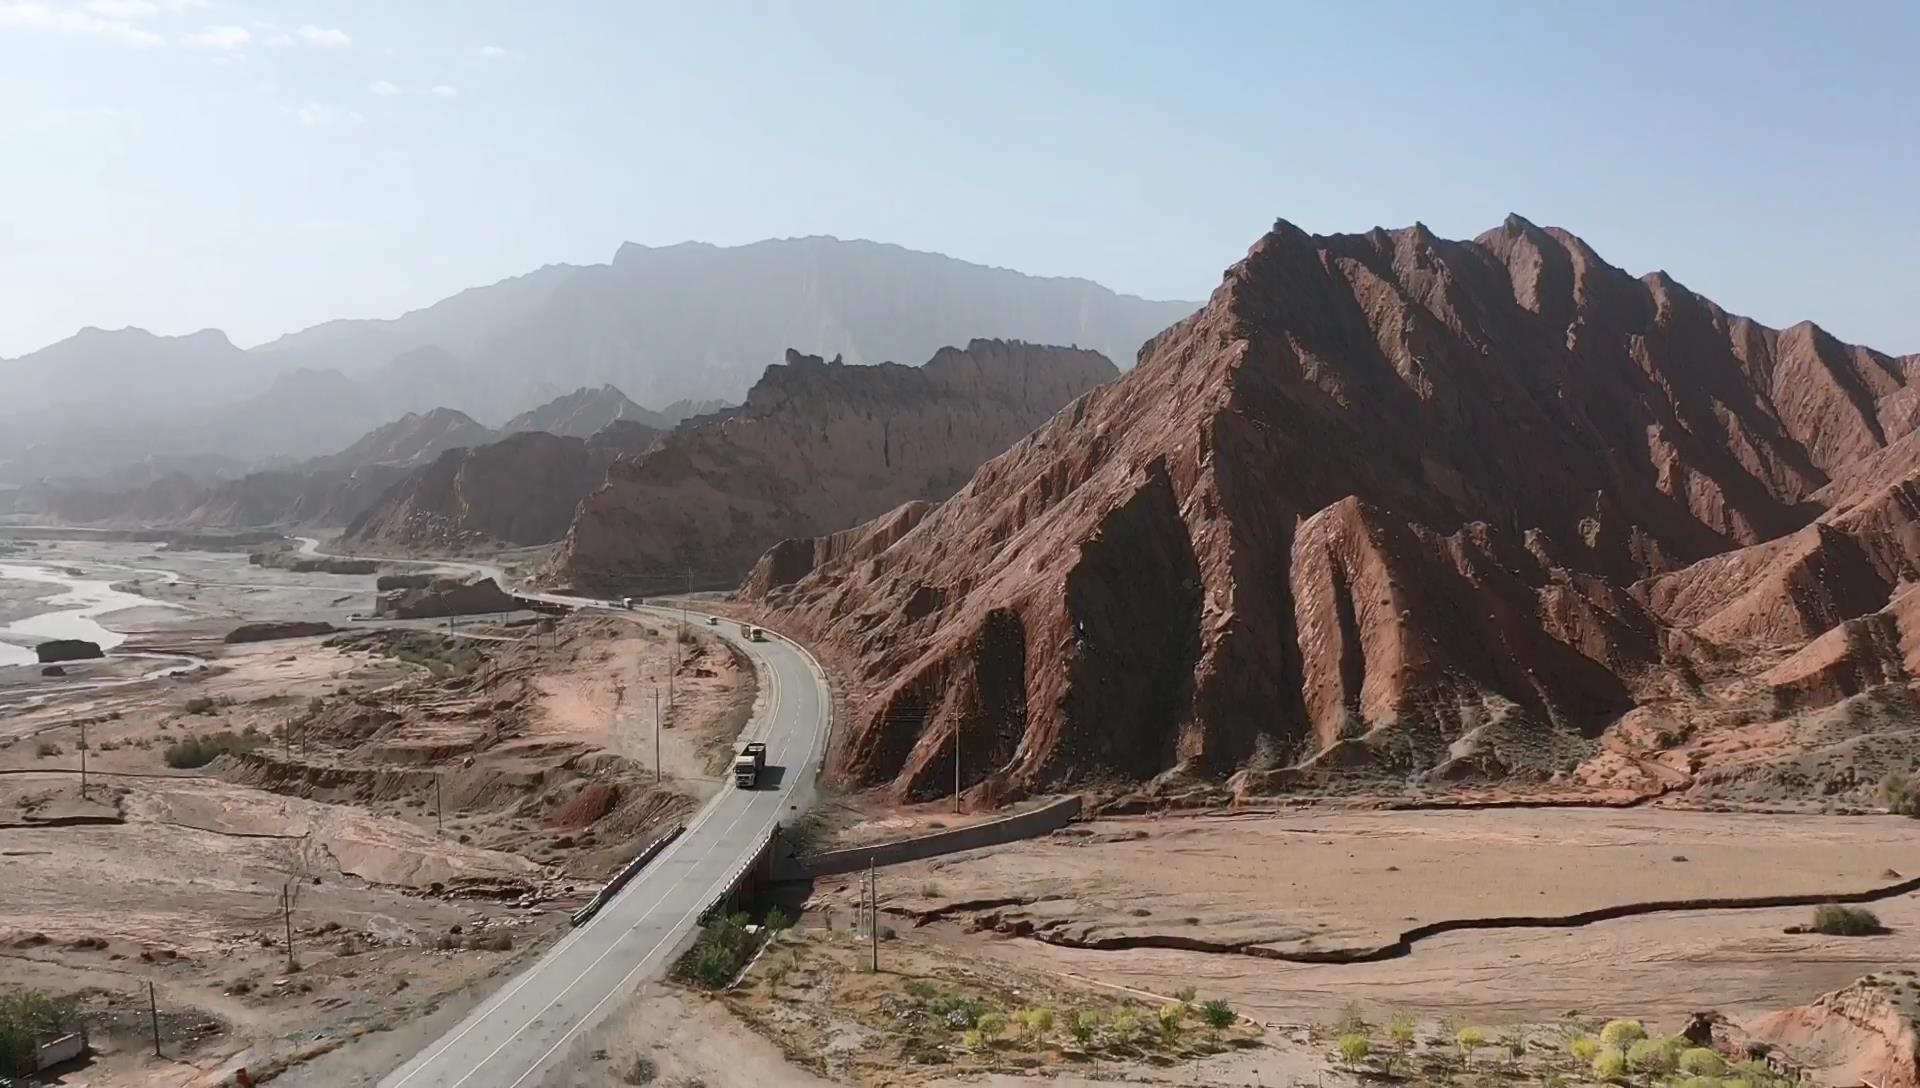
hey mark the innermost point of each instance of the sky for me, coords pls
(259, 167)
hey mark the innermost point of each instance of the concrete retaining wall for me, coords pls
(1023, 825)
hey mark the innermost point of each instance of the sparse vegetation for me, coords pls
(46, 748)
(1584, 1048)
(1835, 920)
(1701, 1062)
(640, 1070)
(1217, 1015)
(1470, 1039)
(1084, 1026)
(1400, 1028)
(1621, 1034)
(724, 947)
(200, 751)
(1900, 795)
(1354, 1048)
(27, 1019)
(1656, 1057)
(1610, 1064)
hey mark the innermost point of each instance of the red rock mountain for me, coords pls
(1389, 501)
(521, 490)
(817, 447)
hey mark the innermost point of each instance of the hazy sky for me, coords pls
(261, 166)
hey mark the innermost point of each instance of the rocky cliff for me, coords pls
(1387, 501)
(817, 447)
(520, 490)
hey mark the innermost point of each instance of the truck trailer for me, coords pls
(748, 765)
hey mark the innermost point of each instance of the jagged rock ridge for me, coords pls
(817, 446)
(1380, 502)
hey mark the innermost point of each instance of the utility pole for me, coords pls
(153, 1011)
(656, 733)
(83, 757)
(873, 897)
(439, 810)
(286, 906)
(956, 766)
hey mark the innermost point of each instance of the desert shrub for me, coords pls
(1583, 1048)
(1217, 1015)
(1186, 994)
(722, 950)
(1622, 1034)
(200, 704)
(1038, 1021)
(958, 1013)
(1838, 921)
(1125, 1028)
(973, 1039)
(1656, 1056)
(1900, 795)
(1354, 1047)
(1470, 1039)
(1170, 1019)
(1353, 1020)
(1610, 1064)
(498, 941)
(200, 751)
(1700, 1062)
(1400, 1028)
(921, 990)
(1083, 1026)
(46, 748)
(991, 1024)
(27, 1019)
(640, 1070)
(777, 920)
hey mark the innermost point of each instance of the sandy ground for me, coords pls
(1331, 880)
(418, 792)
(1327, 880)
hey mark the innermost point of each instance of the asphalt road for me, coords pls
(521, 1032)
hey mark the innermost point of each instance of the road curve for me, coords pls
(513, 1038)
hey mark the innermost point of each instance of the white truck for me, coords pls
(748, 764)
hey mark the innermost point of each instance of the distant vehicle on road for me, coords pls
(748, 765)
(713, 621)
(754, 634)
(626, 603)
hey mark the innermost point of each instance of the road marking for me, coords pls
(699, 905)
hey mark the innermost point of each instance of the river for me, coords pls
(73, 614)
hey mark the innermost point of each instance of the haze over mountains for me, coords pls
(690, 322)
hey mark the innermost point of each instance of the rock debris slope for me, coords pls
(817, 447)
(1387, 500)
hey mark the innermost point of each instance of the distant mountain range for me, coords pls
(690, 322)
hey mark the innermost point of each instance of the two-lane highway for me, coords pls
(522, 1031)
(519, 1033)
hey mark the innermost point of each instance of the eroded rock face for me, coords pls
(817, 447)
(520, 490)
(1862, 1034)
(1380, 502)
(445, 597)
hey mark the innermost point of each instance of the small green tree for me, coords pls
(1621, 1034)
(1700, 1062)
(777, 920)
(1583, 1048)
(1170, 1019)
(1400, 1028)
(1609, 1064)
(1656, 1057)
(1354, 1047)
(1084, 1026)
(1469, 1040)
(991, 1024)
(1125, 1028)
(1218, 1016)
